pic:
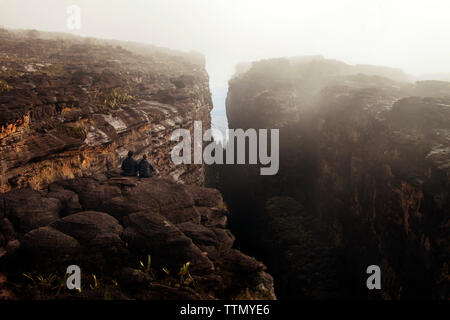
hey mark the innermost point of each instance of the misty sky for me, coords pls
(409, 34)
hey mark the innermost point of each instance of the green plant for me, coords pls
(166, 271)
(146, 267)
(95, 284)
(185, 276)
(45, 285)
(112, 99)
(75, 131)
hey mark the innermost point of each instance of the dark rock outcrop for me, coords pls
(363, 179)
(172, 223)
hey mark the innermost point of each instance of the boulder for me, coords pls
(240, 263)
(48, 241)
(88, 225)
(69, 201)
(150, 233)
(176, 227)
(199, 234)
(133, 278)
(28, 209)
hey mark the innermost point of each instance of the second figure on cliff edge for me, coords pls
(145, 168)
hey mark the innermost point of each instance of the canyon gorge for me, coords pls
(363, 178)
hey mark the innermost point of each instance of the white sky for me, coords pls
(410, 34)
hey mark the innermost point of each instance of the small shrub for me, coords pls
(75, 131)
(113, 99)
(42, 286)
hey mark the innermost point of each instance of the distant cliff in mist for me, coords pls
(364, 178)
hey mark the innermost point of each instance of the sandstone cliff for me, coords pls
(364, 178)
(72, 106)
(70, 109)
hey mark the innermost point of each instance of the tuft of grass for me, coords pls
(112, 99)
(75, 131)
(166, 271)
(41, 285)
(182, 278)
(147, 267)
(185, 276)
(96, 283)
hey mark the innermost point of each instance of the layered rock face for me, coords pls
(72, 106)
(108, 225)
(364, 178)
(70, 110)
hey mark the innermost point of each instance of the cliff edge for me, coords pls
(70, 110)
(74, 106)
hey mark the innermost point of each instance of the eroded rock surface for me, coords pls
(71, 107)
(172, 223)
(70, 110)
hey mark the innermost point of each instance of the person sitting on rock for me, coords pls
(129, 166)
(146, 169)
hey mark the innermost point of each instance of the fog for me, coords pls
(409, 34)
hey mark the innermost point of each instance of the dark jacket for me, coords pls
(129, 167)
(145, 169)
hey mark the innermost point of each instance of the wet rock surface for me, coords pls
(111, 245)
